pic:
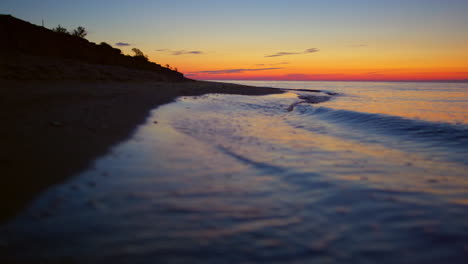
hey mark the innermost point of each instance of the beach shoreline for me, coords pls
(52, 130)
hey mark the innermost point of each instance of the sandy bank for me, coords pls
(29, 67)
(54, 129)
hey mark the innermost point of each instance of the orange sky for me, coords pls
(412, 60)
(275, 39)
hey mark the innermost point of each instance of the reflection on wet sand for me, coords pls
(242, 179)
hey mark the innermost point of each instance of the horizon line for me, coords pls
(263, 80)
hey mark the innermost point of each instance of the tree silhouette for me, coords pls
(60, 29)
(139, 54)
(80, 32)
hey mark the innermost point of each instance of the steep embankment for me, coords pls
(57, 115)
(30, 52)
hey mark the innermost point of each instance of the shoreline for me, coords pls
(52, 130)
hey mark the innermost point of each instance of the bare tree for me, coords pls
(60, 29)
(80, 32)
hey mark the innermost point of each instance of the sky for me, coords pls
(344, 40)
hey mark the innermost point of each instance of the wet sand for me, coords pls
(52, 130)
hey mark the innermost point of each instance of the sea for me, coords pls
(327, 172)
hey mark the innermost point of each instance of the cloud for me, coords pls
(375, 73)
(181, 52)
(311, 50)
(278, 54)
(272, 64)
(282, 54)
(122, 44)
(234, 71)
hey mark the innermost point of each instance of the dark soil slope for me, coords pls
(29, 51)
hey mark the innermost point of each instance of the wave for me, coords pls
(436, 134)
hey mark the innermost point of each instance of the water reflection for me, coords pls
(438, 102)
(241, 180)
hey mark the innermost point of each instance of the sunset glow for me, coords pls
(234, 131)
(274, 40)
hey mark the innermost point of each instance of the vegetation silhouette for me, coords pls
(80, 32)
(22, 38)
(139, 54)
(104, 44)
(60, 29)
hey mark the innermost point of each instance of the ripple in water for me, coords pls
(237, 179)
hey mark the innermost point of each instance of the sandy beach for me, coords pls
(54, 129)
(60, 109)
(209, 132)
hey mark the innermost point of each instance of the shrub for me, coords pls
(80, 32)
(60, 29)
(139, 54)
(104, 44)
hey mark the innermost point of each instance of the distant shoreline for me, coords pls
(366, 81)
(53, 129)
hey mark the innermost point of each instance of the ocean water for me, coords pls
(355, 173)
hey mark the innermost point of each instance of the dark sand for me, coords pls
(51, 130)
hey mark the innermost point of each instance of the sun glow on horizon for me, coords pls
(402, 75)
(342, 40)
